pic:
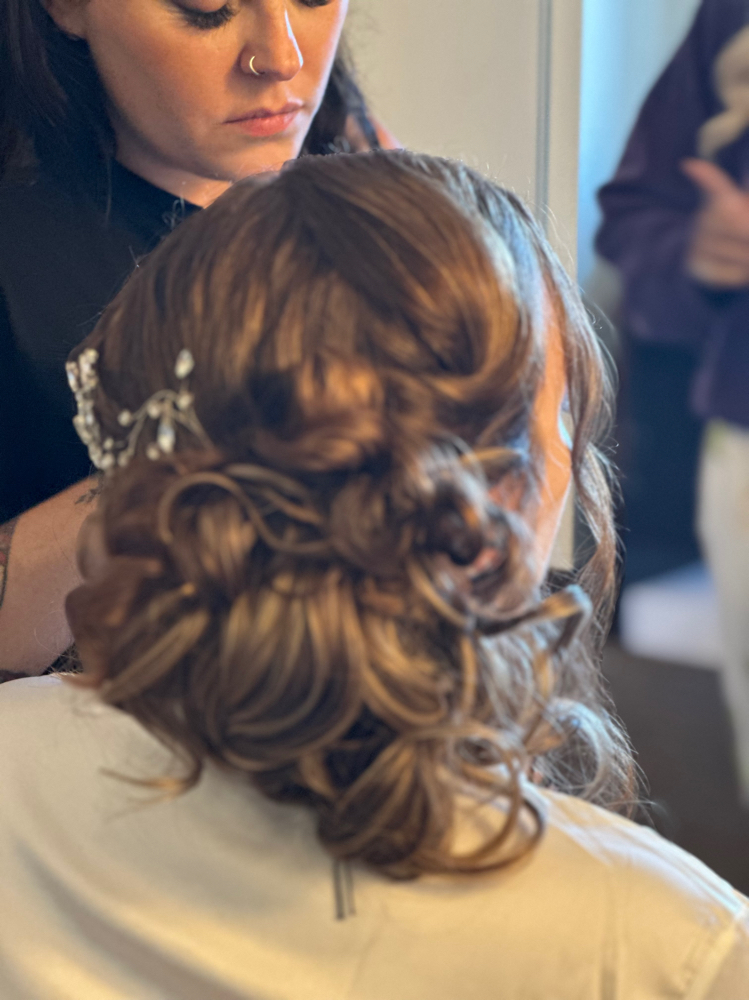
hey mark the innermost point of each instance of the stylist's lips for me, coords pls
(265, 122)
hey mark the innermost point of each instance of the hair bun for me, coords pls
(455, 526)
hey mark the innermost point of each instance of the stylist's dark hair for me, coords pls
(53, 105)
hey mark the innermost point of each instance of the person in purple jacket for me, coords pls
(676, 224)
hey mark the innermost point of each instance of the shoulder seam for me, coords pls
(719, 952)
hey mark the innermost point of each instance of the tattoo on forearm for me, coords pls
(90, 495)
(6, 539)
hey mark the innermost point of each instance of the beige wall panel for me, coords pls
(455, 79)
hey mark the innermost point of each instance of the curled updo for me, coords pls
(301, 600)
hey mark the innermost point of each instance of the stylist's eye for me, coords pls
(207, 20)
(315, 3)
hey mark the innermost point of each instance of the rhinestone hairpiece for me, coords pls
(169, 407)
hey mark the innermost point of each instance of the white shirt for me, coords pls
(222, 895)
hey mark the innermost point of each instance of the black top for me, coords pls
(62, 260)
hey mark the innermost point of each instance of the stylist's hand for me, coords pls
(719, 254)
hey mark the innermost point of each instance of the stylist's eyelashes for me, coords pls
(207, 20)
(212, 19)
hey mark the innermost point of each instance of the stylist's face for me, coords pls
(189, 114)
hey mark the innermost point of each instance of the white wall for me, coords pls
(492, 82)
(626, 45)
(455, 78)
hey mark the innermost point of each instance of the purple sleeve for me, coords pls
(649, 206)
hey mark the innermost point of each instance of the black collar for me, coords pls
(149, 212)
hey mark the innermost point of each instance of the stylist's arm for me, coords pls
(38, 569)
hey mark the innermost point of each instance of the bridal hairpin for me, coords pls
(171, 408)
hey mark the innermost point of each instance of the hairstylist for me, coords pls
(119, 118)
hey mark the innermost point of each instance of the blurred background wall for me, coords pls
(475, 80)
(457, 79)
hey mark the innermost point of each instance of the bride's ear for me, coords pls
(68, 15)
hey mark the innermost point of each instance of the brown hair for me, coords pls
(298, 602)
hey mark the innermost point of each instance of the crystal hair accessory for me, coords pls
(171, 408)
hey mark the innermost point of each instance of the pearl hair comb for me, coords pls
(171, 408)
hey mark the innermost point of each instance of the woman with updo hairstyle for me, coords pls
(118, 120)
(335, 735)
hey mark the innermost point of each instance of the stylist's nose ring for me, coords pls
(252, 67)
